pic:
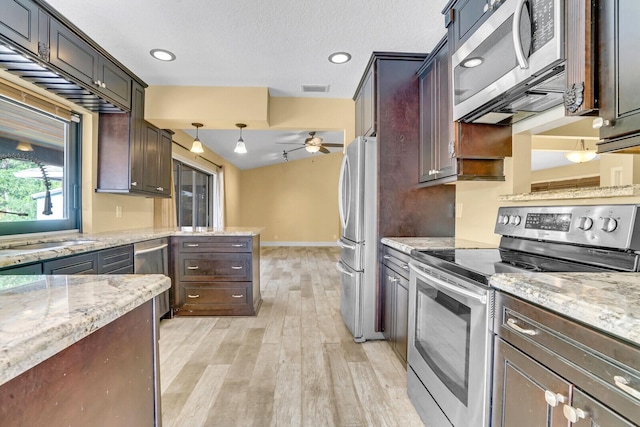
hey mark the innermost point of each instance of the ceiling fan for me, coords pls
(312, 144)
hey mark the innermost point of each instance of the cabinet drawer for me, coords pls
(217, 244)
(116, 260)
(218, 267)
(78, 264)
(196, 295)
(396, 260)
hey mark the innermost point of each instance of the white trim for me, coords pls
(332, 243)
(193, 164)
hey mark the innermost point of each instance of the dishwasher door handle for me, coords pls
(153, 249)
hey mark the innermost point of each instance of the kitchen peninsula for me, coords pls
(79, 350)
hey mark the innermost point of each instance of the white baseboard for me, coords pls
(333, 243)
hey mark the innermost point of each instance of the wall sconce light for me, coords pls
(240, 147)
(580, 156)
(196, 146)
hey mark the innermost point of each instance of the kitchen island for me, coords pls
(79, 350)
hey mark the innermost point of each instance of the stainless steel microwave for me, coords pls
(519, 46)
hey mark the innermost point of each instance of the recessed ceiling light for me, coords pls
(339, 57)
(162, 55)
(472, 62)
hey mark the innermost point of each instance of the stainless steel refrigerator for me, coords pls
(358, 215)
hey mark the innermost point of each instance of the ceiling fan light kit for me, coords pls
(240, 147)
(196, 146)
(312, 148)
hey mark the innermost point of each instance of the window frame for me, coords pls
(211, 182)
(72, 182)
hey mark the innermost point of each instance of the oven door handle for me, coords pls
(482, 299)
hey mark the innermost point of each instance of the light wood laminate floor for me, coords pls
(295, 364)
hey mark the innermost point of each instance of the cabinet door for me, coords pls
(164, 163)
(77, 264)
(72, 55)
(138, 130)
(520, 387)
(365, 107)
(19, 23)
(427, 127)
(388, 313)
(596, 413)
(30, 269)
(402, 317)
(151, 161)
(115, 84)
(619, 61)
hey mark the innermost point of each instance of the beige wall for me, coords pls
(295, 201)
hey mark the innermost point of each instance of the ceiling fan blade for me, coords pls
(324, 150)
(332, 145)
(294, 149)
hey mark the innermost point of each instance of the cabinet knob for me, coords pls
(192, 267)
(573, 414)
(192, 245)
(237, 296)
(237, 245)
(193, 296)
(236, 267)
(392, 279)
(134, 184)
(599, 122)
(159, 189)
(553, 399)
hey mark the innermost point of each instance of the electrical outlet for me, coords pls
(118, 211)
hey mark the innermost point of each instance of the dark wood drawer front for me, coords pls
(116, 260)
(227, 294)
(219, 244)
(221, 267)
(78, 264)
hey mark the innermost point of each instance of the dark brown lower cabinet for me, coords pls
(394, 278)
(105, 379)
(216, 275)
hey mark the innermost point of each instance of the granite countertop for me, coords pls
(407, 244)
(609, 301)
(86, 242)
(574, 193)
(43, 315)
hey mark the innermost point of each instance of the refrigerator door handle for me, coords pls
(346, 246)
(345, 179)
(342, 270)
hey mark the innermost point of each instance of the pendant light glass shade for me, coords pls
(196, 146)
(240, 147)
(580, 156)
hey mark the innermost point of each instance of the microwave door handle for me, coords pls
(517, 43)
(482, 299)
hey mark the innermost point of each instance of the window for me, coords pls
(39, 170)
(194, 195)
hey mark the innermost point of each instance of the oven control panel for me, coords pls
(611, 226)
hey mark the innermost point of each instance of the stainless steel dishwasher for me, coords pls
(152, 257)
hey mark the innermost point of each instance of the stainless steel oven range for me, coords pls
(451, 305)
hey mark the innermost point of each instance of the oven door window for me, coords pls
(442, 337)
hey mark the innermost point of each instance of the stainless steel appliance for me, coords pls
(451, 304)
(357, 265)
(152, 257)
(513, 63)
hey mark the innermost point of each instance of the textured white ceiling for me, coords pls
(279, 44)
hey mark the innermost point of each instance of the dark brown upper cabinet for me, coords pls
(619, 62)
(452, 151)
(19, 23)
(134, 157)
(365, 106)
(72, 55)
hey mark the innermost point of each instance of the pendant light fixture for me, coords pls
(240, 147)
(196, 146)
(580, 156)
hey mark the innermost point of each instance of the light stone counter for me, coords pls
(43, 315)
(407, 244)
(609, 302)
(93, 242)
(574, 193)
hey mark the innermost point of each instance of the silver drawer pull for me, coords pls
(237, 296)
(236, 267)
(386, 256)
(237, 245)
(513, 325)
(553, 399)
(392, 279)
(405, 266)
(623, 384)
(193, 296)
(192, 245)
(192, 267)
(573, 414)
